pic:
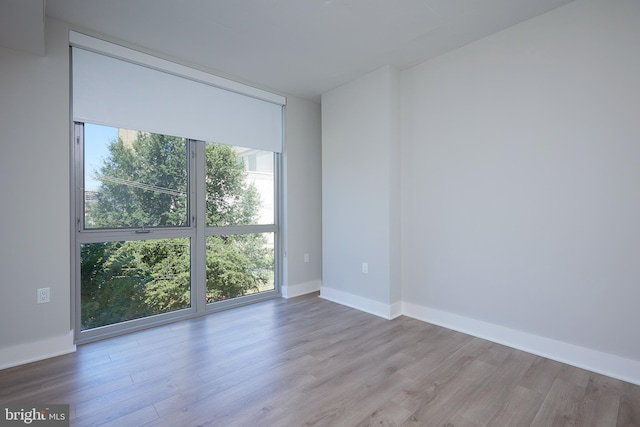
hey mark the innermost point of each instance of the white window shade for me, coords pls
(117, 92)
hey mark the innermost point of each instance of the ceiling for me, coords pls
(298, 47)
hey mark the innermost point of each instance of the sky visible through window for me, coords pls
(97, 139)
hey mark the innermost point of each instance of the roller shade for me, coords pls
(120, 87)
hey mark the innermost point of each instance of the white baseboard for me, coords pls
(581, 357)
(385, 311)
(299, 289)
(34, 351)
(395, 310)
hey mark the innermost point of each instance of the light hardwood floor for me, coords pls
(307, 361)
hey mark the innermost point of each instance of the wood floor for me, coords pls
(307, 361)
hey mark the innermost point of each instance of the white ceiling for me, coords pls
(299, 47)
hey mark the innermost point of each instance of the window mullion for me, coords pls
(199, 213)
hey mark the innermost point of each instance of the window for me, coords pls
(168, 225)
(230, 167)
(127, 280)
(134, 179)
(139, 238)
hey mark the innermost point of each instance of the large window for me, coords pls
(140, 243)
(175, 190)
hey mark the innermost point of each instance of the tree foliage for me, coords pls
(230, 201)
(146, 182)
(143, 183)
(111, 290)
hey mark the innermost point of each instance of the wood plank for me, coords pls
(424, 388)
(629, 408)
(520, 409)
(601, 402)
(495, 393)
(561, 405)
(460, 421)
(388, 415)
(354, 402)
(134, 418)
(541, 375)
(447, 399)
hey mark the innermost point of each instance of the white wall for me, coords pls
(303, 198)
(360, 166)
(520, 182)
(35, 226)
(34, 171)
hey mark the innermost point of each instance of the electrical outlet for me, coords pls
(365, 268)
(306, 257)
(44, 295)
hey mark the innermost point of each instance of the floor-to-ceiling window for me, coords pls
(169, 222)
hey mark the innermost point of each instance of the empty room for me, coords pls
(320, 212)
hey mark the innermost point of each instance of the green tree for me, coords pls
(143, 183)
(112, 286)
(146, 182)
(236, 265)
(230, 201)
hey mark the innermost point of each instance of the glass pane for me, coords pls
(240, 264)
(123, 281)
(134, 178)
(239, 186)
